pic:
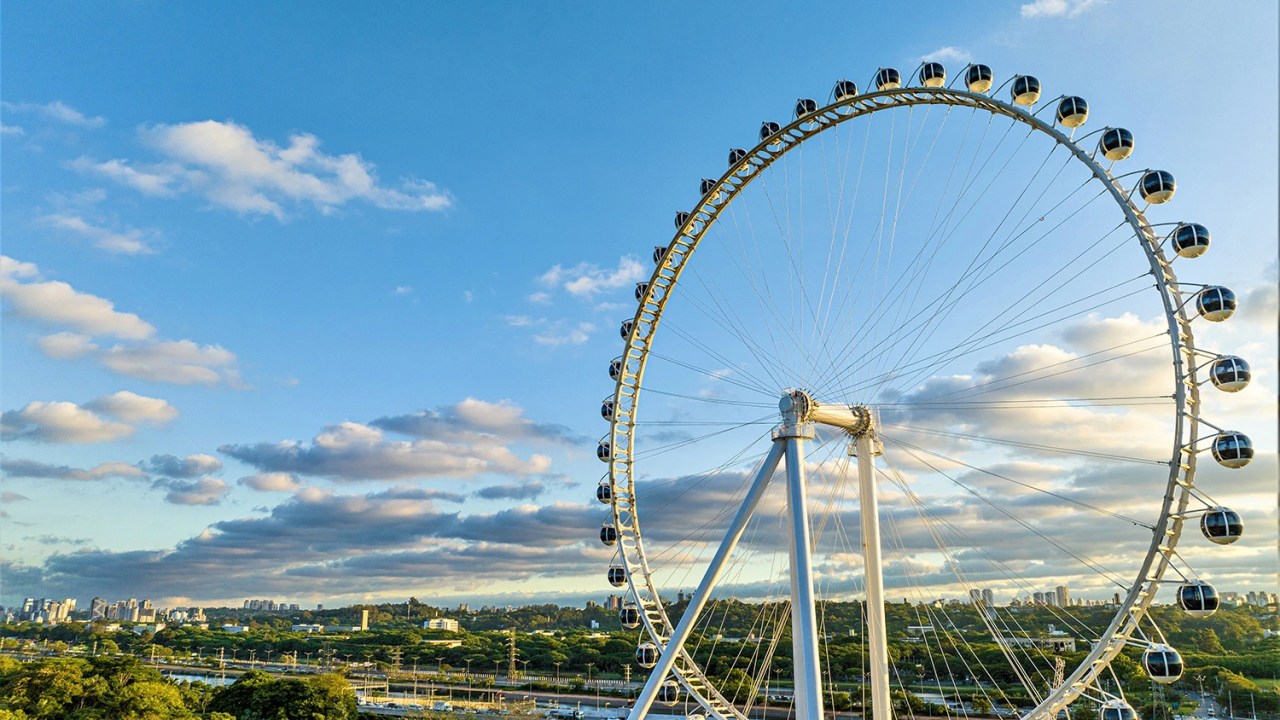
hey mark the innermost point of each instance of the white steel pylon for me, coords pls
(799, 412)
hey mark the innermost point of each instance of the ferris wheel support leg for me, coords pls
(667, 658)
(804, 622)
(881, 706)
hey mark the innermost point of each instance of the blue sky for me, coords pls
(245, 224)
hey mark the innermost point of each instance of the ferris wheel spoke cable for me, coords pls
(1031, 302)
(921, 319)
(978, 389)
(910, 326)
(1027, 445)
(739, 332)
(957, 569)
(925, 516)
(710, 400)
(930, 364)
(1073, 501)
(929, 236)
(1096, 567)
(717, 375)
(722, 319)
(991, 237)
(932, 321)
(702, 347)
(764, 299)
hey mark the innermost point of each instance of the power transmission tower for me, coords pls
(511, 653)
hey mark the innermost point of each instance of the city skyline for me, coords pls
(331, 321)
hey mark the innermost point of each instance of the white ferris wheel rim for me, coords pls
(664, 281)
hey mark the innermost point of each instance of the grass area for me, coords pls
(1272, 684)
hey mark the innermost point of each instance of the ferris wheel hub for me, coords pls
(797, 406)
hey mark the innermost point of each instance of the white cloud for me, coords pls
(57, 111)
(355, 451)
(540, 298)
(159, 180)
(171, 466)
(57, 303)
(205, 491)
(271, 482)
(67, 422)
(66, 345)
(60, 422)
(1057, 8)
(948, 53)
(402, 290)
(134, 408)
(127, 242)
(11, 130)
(44, 471)
(558, 335)
(226, 164)
(181, 362)
(585, 279)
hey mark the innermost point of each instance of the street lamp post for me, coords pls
(589, 666)
(558, 664)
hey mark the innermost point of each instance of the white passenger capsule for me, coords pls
(888, 79)
(1025, 90)
(617, 575)
(625, 328)
(604, 492)
(608, 534)
(606, 409)
(1232, 449)
(1116, 143)
(615, 369)
(1157, 186)
(647, 655)
(642, 291)
(1191, 240)
(1221, 525)
(979, 78)
(1230, 373)
(805, 106)
(844, 90)
(1216, 303)
(768, 129)
(933, 75)
(604, 451)
(1116, 709)
(629, 616)
(1162, 663)
(1073, 111)
(669, 692)
(1198, 599)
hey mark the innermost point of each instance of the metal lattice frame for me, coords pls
(1182, 464)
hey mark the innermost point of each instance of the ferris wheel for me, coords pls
(946, 324)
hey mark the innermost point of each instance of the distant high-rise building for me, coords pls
(613, 602)
(97, 609)
(1038, 598)
(1063, 596)
(364, 619)
(975, 596)
(988, 597)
